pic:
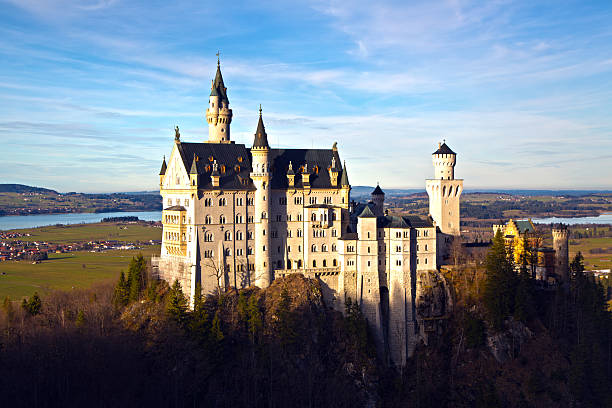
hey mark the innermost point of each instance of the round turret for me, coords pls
(444, 162)
(561, 246)
(218, 114)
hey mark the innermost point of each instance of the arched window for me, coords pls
(228, 236)
(314, 263)
(313, 248)
(334, 216)
(299, 263)
(228, 252)
(335, 262)
(324, 263)
(299, 232)
(334, 248)
(208, 220)
(239, 235)
(238, 218)
(208, 237)
(222, 202)
(222, 219)
(264, 215)
(313, 217)
(323, 248)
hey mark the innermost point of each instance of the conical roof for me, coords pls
(163, 167)
(218, 87)
(378, 191)
(194, 166)
(444, 149)
(261, 138)
(344, 181)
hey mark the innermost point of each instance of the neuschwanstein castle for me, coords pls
(236, 215)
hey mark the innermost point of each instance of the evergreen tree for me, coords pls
(136, 277)
(524, 302)
(177, 304)
(33, 306)
(255, 318)
(216, 329)
(285, 323)
(199, 324)
(500, 285)
(80, 319)
(121, 296)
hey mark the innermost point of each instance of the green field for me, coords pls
(92, 232)
(65, 271)
(593, 261)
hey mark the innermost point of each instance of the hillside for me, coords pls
(21, 189)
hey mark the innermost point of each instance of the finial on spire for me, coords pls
(177, 134)
(290, 165)
(260, 110)
(443, 140)
(218, 61)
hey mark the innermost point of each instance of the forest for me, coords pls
(509, 342)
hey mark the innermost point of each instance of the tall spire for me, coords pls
(163, 167)
(218, 87)
(261, 138)
(194, 166)
(344, 181)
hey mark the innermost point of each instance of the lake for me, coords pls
(41, 220)
(602, 219)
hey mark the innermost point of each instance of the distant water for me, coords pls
(41, 220)
(602, 219)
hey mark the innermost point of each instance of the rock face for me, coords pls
(507, 344)
(433, 302)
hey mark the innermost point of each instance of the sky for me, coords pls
(90, 91)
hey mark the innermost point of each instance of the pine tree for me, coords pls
(136, 277)
(255, 318)
(33, 306)
(121, 296)
(500, 285)
(177, 304)
(216, 329)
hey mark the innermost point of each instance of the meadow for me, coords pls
(81, 269)
(92, 232)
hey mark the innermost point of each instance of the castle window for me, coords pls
(279, 218)
(250, 235)
(299, 248)
(250, 201)
(398, 234)
(426, 261)
(368, 250)
(314, 263)
(313, 248)
(299, 217)
(278, 249)
(288, 217)
(418, 233)
(264, 248)
(238, 218)
(313, 217)
(288, 233)
(239, 235)
(240, 252)
(250, 219)
(228, 236)
(264, 215)
(426, 249)
(208, 237)
(406, 234)
(334, 248)
(208, 219)
(208, 202)
(249, 251)
(288, 248)
(239, 201)
(417, 247)
(228, 252)
(299, 232)
(208, 253)
(298, 200)
(282, 200)
(299, 263)
(368, 265)
(222, 202)
(324, 263)
(323, 248)
(222, 219)
(274, 234)
(334, 262)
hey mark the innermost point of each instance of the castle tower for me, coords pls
(218, 114)
(261, 178)
(561, 247)
(378, 198)
(445, 191)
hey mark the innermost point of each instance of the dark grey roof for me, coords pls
(344, 181)
(417, 222)
(261, 138)
(444, 149)
(163, 167)
(175, 208)
(317, 160)
(218, 87)
(378, 191)
(391, 221)
(367, 213)
(234, 173)
(349, 236)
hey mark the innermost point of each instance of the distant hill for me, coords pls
(20, 188)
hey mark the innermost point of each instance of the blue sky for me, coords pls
(90, 91)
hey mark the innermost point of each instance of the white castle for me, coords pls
(235, 216)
